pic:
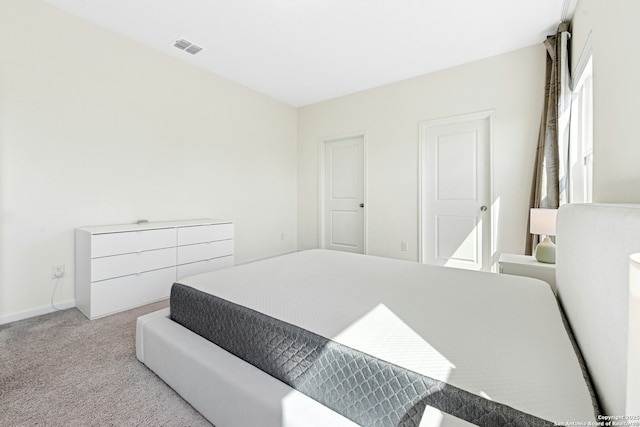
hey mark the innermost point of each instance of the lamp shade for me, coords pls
(543, 221)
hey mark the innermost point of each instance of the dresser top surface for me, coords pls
(118, 228)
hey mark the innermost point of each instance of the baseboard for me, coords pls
(37, 311)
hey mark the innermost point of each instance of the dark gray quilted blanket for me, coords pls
(364, 389)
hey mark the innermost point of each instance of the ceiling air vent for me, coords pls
(187, 46)
(193, 49)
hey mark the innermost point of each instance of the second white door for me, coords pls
(344, 194)
(455, 209)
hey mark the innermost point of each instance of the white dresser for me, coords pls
(124, 266)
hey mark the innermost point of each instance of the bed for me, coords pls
(319, 338)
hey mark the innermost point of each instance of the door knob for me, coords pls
(483, 208)
(362, 205)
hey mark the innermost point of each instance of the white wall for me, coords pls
(511, 84)
(96, 129)
(616, 99)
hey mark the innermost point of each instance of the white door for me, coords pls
(344, 194)
(455, 192)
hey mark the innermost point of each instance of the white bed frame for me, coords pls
(594, 245)
(221, 386)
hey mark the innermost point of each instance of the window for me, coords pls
(581, 136)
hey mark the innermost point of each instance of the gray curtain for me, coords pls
(549, 186)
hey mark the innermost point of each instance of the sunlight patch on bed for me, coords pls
(485, 395)
(384, 335)
(431, 417)
(298, 409)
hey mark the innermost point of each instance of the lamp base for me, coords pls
(546, 251)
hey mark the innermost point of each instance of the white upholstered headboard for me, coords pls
(594, 243)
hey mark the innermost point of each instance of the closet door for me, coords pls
(455, 183)
(344, 195)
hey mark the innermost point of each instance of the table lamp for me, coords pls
(543, 222)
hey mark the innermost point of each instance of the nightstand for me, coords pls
(528, 266)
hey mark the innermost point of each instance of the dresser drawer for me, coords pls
(132, 241)
(138, 262)
(187, 270)
(204, 233)
(122, 293)
(204, 251)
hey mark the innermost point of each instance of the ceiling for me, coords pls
(305, 51)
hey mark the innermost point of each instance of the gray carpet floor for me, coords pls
(61, 369)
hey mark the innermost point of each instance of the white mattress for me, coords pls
(497, 336)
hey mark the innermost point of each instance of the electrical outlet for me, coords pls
(281, 236)
(57, 271)
(404, 247)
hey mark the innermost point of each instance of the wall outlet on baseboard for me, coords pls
(404, 247)
(57, 271)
